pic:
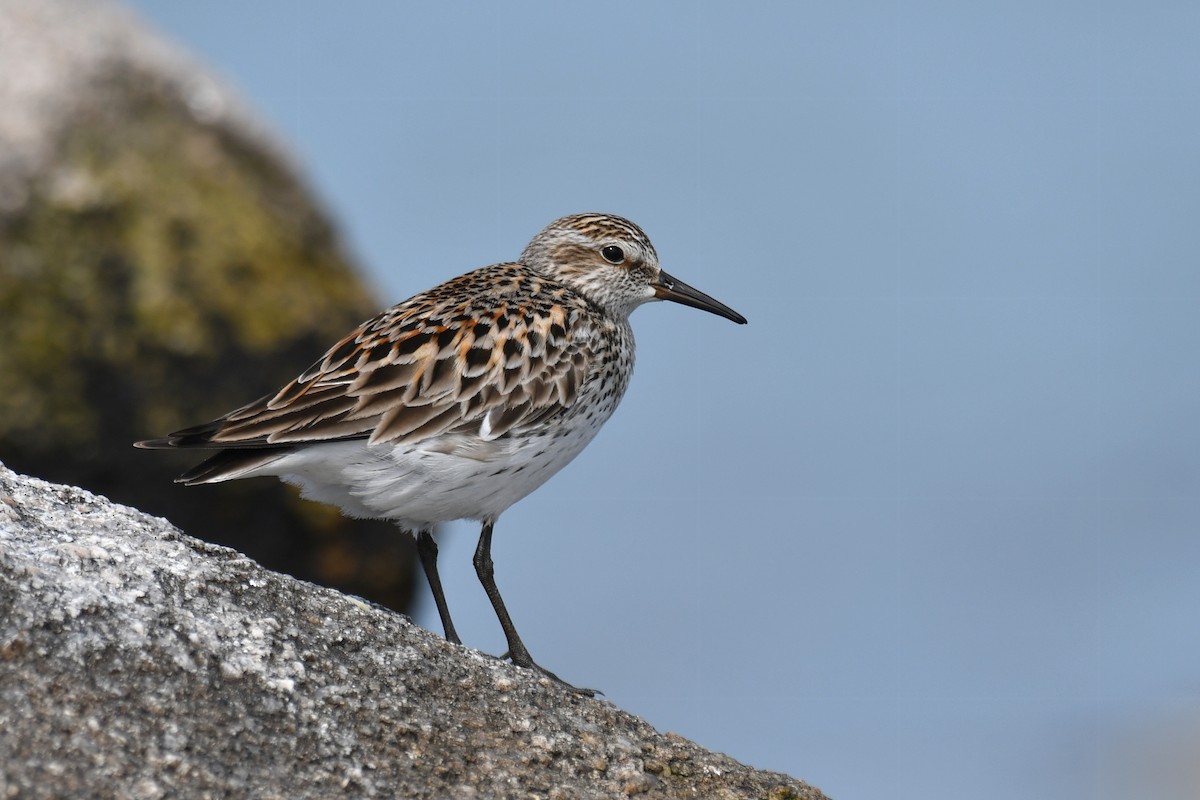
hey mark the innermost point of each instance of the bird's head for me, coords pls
(610, 261)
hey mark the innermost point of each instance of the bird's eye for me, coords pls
(613, 254)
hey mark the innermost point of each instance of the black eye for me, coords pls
(613, 254)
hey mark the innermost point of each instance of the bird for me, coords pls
(463, 399)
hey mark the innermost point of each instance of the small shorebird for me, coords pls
(460, 401)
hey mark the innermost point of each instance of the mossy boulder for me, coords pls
(161, 263)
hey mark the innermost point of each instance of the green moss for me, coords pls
(163, 272)
(783, 793)
(156, 244)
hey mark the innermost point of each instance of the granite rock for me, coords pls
(138, 662)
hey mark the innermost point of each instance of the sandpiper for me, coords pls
(460, 401)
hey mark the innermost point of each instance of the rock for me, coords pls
(161, 263)
(138, 662)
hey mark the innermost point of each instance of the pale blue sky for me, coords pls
(929, 526)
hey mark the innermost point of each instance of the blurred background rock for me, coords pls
(161, 263)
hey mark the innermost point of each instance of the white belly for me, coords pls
(420, 484)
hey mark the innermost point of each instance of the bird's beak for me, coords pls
(675, 290)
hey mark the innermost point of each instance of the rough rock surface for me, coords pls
(138, 662)
(161, 262)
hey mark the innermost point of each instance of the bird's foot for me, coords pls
(523, 659)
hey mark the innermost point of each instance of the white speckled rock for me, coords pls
(137, 662)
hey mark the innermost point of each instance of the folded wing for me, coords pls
(416, 372)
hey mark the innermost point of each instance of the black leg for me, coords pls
(517, 651)
(427, 549)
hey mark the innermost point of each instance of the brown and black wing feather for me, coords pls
(488, 353)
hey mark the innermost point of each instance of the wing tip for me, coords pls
(155, 444)
(228, 465)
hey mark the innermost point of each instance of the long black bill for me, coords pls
(675, 290)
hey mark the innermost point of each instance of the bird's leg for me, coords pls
(427, 550)
(487, 576)
(517, 651)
